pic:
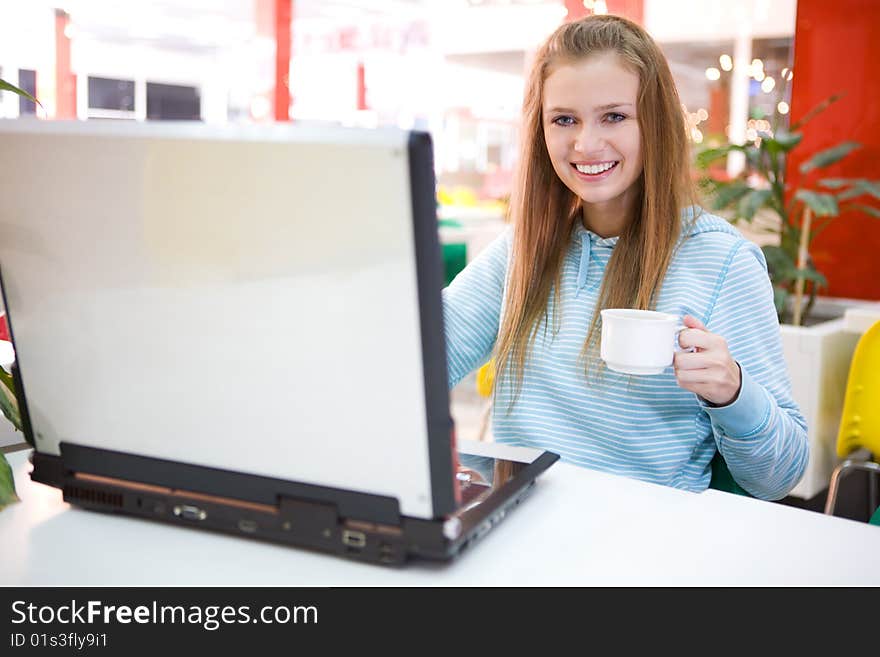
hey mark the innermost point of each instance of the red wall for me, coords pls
(836, 49)
(631, 9)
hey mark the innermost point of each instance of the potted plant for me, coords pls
(763, 186)
(8, 402)
(818, 354)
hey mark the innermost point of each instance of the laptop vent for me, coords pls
(92, 496)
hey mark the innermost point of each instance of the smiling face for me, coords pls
(593, 139)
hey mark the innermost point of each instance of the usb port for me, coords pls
(354, 539)
(247, 526)
(189, 512)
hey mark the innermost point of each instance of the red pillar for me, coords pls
(65, 80)
(848, 252)
(283, 24)
(631, 9)
(361, 87)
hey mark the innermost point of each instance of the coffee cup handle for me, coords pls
(677, 347)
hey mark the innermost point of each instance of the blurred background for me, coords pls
(452, 67)
(456, 68)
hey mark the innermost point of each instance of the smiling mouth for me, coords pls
(595, 169)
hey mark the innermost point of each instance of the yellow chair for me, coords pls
(860, 420)
(485, 383)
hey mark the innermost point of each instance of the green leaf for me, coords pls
(818, 109)
(5, 86)
(822, 205)
(780, 265)
(860, 188)
(727, 194)
(810, 274)
(753, 155)
(706, 157)
(7, 483)
(780, 299)
(867, 209)
(6, 379)
(837, 183)
(751, 202)
(829, 156)
(9, 406)
(781, 142)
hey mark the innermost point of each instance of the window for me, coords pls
(110, 94)
(27, 81)
(171, 102)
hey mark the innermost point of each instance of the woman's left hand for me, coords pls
(709, 370)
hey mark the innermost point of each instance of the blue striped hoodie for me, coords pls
(645, 427)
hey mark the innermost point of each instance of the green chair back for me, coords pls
(722, 479)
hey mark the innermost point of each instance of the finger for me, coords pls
(693, 337)
(696, 380)
(692, 322)
(691, 360)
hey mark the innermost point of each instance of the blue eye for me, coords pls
(614, 117)
(563, 120)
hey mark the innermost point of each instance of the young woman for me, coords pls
(602, 217)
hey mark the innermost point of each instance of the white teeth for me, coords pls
(594, 168)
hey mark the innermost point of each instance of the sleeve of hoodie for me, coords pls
(472, 308)
(762, 434)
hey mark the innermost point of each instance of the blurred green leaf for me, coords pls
(6, 379)
(7, 483)
(9, 405)
(837, 183)
(810, 274)
(727, 194)
(779, 263)
(706, 157)
(780, 298)
(781, 142)
(818, 109)
(751, 202)
(829, 156)
(5, 86)
(860, 207)
(822, 205)
(860, 188)
(754, 157)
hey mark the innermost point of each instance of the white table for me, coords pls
(578, 528)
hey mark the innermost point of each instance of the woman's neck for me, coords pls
(608, 219)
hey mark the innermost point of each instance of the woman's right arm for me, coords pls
(472, 308)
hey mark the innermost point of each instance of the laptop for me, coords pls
(240, 329)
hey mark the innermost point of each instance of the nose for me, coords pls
(588, 139)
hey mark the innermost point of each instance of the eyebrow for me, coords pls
(599, 108)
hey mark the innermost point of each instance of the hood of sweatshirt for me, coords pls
(694, 220)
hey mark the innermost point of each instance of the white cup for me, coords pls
(639, 341)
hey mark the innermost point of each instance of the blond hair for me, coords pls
(543, 210)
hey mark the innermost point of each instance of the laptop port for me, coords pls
(247, 526)
(386, 553)
(354, 539)
(189, 512)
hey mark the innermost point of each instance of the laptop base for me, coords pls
(298, 521)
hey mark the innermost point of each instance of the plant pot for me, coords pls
(818, 359)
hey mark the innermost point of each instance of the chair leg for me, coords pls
(484, 420)
(836, 475)
(843, 469)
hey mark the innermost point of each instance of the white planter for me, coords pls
(818, 359)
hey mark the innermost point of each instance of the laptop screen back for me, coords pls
(244, 299)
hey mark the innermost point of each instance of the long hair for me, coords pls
(543, 210)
